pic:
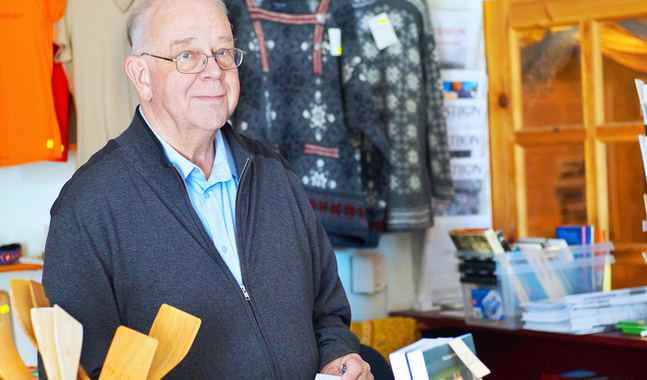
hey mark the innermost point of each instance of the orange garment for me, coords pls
(29, 131)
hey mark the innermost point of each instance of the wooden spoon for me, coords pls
(11, 364)
(21, 304)
(175, 330)
(68, 337)
(5, 310)
(42, 319)
(39, 299)
(129, 357)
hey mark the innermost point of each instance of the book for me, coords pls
(585, 313)
(575, 235)
(479, 240)
(504, 242)
(436, 360)
(398, 359)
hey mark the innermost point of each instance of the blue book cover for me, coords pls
(575, 235)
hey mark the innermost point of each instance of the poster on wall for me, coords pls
(463, 5)
(465, 88)
(458, 36)
(466, 118)
(464, 84)
(469, 175)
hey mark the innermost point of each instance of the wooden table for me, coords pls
(526, 354)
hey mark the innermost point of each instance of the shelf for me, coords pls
(527, 354)
(19, 267)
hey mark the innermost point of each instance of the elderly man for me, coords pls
(181, 209)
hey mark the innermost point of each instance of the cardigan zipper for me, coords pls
(270, 356)
(242, 287)
(247, 297)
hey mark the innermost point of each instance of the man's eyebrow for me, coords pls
(226, 39)
(182, 42)
(189, 40)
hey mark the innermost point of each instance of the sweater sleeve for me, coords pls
(77, 280)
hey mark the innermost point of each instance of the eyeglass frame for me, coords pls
(215, 58)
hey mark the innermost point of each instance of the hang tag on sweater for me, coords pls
(334, 37)
(383, 32)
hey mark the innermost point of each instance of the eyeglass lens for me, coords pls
(196, 62)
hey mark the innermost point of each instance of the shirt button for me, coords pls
(224, 249)
(207, 196)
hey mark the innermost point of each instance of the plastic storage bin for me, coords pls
(494, 284)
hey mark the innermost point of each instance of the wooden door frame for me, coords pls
(503, 19)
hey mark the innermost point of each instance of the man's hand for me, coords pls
(356, 368)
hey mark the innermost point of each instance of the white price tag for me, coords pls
(334, 37)
(468, 358)
(382, 31)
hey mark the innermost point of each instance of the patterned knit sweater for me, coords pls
(405, 81)
(316, 109)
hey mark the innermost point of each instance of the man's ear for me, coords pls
(137, 71)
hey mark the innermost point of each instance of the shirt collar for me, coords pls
(223, 168)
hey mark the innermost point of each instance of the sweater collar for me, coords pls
(149, 151)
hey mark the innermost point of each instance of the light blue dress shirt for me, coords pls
(214, 199)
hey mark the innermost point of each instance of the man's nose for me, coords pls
(213, 67)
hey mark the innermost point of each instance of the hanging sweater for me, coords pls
(315, 109)
(406, 87)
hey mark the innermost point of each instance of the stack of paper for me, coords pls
(585, 313)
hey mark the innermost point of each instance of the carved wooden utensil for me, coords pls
(129, 357)
(21, 304)
(42, 319)
(11, 364)
(5, 310)
(68, 337)
(175, 331)
(39, 299)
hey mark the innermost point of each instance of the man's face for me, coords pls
(188, 101)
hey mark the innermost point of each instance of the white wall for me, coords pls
(26, 196)
(27, 193)
(400, 251)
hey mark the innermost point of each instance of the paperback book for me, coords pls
(437, 360)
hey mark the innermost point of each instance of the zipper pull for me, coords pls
(247, 297)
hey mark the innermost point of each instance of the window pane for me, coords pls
(555, 188)
(551, 77)
(624, 49)
(626, 186)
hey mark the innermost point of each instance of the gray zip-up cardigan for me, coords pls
(124, 239)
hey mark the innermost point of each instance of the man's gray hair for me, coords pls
(139, 20)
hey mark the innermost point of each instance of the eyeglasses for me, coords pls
(192, 63)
